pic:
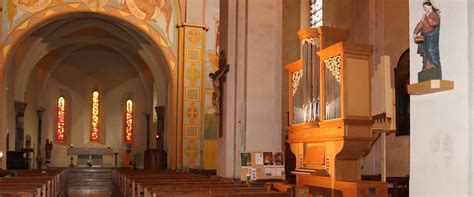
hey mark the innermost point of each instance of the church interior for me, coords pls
(304, 98)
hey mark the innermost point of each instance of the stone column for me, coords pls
(39, 114)
(253, 34)
(161, 154)
(20, 124)
(147, 116)
(160, 125)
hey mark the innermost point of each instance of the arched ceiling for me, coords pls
(55, 49)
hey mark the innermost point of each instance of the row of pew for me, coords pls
(152, 183)
(33, 183)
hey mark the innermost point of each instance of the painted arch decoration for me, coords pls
(155, 19)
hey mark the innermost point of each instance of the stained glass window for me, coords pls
(95, 116)
(61, 118)
(129, 121)
(316, 13)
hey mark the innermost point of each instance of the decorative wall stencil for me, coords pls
(192, 113)
(193, 74)
(192, 94)
(192, 153)
(193, 55)
(193, 98)
(191, 131)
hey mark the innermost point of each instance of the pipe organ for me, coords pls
(330, 113)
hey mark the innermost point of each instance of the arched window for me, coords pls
(95, 116)
(316, 13)
(129, 121)
(61, 118)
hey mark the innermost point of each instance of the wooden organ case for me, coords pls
(330, 113)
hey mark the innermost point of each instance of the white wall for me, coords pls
(471, 95)
(77, 76)
(439, 161)
(253, 88)
(80, 132)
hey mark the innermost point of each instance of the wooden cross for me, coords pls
(218, 79)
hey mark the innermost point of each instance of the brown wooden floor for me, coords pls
(90, 182)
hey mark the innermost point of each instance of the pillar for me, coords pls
(20, 124)
(39, 114)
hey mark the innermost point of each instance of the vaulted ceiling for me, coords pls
(83, 47)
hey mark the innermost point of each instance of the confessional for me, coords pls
(330, 113)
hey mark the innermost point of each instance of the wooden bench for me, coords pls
(398, 186)
(34, 183)
(148, 183)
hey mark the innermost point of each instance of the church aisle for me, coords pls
(90, 182)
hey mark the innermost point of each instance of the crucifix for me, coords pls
(218, 79)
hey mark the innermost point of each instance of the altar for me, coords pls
(89, 154)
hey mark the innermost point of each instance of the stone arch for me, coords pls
(26, 28)
(402, 79)
(45, 17)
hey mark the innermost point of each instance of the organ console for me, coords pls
(331, 113)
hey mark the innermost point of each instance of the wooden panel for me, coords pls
(431, 86)
(297, 150)
(357, 87)
(210, 154)
(315, 154)
(353, 189)
(346, 170)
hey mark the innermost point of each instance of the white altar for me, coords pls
(89, 154)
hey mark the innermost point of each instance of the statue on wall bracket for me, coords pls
(426, 35)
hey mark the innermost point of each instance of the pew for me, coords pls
(34, 183)
(398, 186)
(154, 183)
